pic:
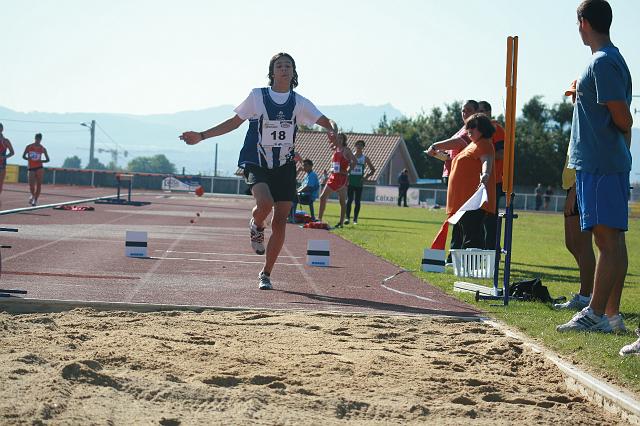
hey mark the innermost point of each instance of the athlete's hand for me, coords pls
(297, 157)
(333, 137)
(570, 203)
(191, 138)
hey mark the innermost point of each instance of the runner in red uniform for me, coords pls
(340, 161)
(36, 155)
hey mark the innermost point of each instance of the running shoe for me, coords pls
(586, 320)
(355, 222)
(31, 200)
(34, 202)
(264, 281)
(632, 348)
(617, 324)
(338, 225)
(346, 222)
(257, 237)
(577, 303)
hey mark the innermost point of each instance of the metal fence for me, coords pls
(236, 185)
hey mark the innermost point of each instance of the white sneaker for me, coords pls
(577, 303)
(586, 320)
(257, 237)
(264, 281)
(31, 200)
(617, 324)
(631, 349)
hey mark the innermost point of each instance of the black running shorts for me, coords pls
(281, 180)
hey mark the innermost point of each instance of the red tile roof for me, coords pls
(379, 148)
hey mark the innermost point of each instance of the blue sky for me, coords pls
(143, 56)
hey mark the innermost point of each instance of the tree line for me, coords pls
(542, 138)
(153, 164)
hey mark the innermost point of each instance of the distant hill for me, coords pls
(145, 135)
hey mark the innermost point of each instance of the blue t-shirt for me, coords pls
(311, 180)
(597, 146)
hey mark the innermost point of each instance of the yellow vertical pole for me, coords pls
(510, 116)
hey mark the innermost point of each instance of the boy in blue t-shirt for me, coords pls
(599, 152)
(308, 190)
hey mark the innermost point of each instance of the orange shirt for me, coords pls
(465, 177)
(34, 155)
(498, 137)
(462, 133)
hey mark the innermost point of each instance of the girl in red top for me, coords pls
(6, 151)
(340, 161)
(36, 155)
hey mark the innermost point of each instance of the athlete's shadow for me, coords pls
(379, 306)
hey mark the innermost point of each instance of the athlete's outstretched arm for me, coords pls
(192, 138)
(447, 144)
(330, 125)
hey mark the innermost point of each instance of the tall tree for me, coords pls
(96, 165)
(542, 137)
(421, 131)
(72, 162)
(156, 164)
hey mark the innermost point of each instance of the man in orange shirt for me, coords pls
(490, 221)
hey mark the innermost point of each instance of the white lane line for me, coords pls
(146, 278)
(304, 273)
(224, 254)
(409, 294)
(66, 238)
(222, 261)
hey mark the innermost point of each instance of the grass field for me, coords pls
(400, 234)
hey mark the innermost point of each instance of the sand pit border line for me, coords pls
(25, 305)
(609, 397)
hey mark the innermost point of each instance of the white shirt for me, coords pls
(306, 112)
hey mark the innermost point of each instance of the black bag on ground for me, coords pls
(532, 290)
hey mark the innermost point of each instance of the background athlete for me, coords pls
(356, 178)
(36, 155)
(341, 160)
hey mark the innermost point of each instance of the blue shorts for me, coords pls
(603, 200)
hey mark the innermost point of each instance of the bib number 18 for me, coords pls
(281, 135)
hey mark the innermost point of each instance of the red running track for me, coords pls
(75, 255)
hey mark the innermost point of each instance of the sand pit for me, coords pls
(170, 368)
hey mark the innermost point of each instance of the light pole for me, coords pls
(92, 129)
(215, 162)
